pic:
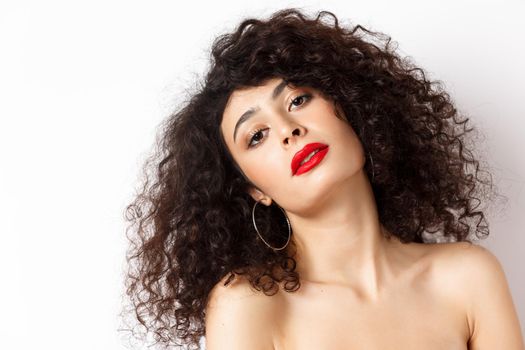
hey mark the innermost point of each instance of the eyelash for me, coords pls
(256, 131)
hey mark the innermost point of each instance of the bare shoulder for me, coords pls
(238, 290)
(478, 280)
(238, 317)
(459, 266)
(457, 257)
(466, 264)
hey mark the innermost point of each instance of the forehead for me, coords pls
(252, 94)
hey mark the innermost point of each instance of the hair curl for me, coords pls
(192, 217)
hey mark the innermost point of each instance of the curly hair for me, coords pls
(191, 219)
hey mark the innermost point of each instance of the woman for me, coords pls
(316, 193)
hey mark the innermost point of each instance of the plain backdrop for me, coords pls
(84, 85)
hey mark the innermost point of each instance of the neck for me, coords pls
(343, 242)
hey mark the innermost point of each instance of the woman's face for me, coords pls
(282, 120)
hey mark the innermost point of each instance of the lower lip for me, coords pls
(316, 159)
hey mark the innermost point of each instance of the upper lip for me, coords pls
(304, 152)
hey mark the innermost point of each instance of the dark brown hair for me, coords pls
(190, 223)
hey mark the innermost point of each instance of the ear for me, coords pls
(259, 196)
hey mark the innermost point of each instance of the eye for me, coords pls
(304, 97)
(253, 137)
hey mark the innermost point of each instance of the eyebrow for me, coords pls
(249, 113)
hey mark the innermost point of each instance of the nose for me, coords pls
(289, 130)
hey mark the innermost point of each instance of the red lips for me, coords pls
(302, 154)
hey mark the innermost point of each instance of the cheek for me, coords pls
(345, 132)
(267, 171)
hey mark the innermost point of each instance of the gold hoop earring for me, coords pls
(287, 221)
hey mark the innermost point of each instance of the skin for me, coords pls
(359, 290)
(331, 208)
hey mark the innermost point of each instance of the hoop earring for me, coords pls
(287, 221)
(373, 173)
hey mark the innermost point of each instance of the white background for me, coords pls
(83, 86)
